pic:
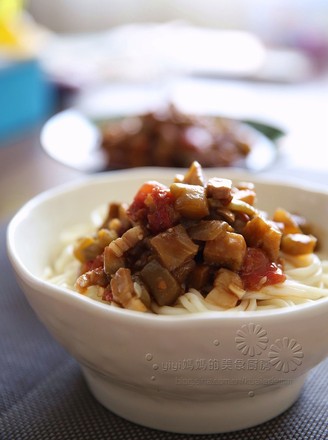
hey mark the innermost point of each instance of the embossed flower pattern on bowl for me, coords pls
(286, 354)
(251, 339)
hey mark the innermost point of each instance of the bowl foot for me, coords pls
(192, 416)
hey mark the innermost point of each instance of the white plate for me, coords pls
(74, 140)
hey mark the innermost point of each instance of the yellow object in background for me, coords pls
(27, 97)
(12, 33)
(9, 8)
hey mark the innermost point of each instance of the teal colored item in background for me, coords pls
(26, 98)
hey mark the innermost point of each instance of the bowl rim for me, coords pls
(104, 177)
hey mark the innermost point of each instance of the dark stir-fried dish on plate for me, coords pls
(166, 137)
(171, 138)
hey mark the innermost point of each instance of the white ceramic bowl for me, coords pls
(201, 373)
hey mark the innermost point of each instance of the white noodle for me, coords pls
(307, 281)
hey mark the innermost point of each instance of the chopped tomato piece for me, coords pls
(258, 271)
(154, 205)
(137, 209)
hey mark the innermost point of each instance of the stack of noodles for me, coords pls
(306, 280)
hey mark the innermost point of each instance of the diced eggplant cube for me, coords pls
(194, 175)
(207, 229)
(298, 244)
(163, 286)
(199, 277)
(260, 233)
(290, 225)
(174, 247)
(190, 200)
(226, 284)
(219, 189)
(227, 250)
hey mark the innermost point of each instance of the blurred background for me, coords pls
(265, 61)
